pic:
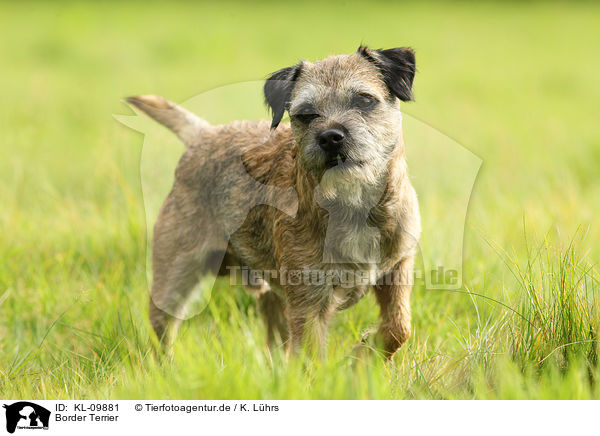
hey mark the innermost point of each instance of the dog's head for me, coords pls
(344, 111)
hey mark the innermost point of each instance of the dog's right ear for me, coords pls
(278, 91)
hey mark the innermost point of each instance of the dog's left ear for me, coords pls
(278, 91)
(398, 67)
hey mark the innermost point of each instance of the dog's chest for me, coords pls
(349, 239)
(352, 253)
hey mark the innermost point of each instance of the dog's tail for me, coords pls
(186, 125)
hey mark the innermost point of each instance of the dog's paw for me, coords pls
(366, 345)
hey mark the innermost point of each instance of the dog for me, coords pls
(356, 216)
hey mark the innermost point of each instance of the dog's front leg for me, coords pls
(393, 296)
(308, 319)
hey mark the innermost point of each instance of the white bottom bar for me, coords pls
(302, 417)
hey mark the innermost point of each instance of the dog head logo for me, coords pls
(26, 415)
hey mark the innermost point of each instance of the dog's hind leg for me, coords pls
(185, 247)
(171, 288)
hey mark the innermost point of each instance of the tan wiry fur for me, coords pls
(360, 217)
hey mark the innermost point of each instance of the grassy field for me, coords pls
(516, 84)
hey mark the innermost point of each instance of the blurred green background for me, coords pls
(515, 83)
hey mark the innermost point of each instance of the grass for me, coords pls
(516, 84)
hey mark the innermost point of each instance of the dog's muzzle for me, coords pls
(332, 142)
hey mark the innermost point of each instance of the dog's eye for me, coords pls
(306, 115)
(364, 102)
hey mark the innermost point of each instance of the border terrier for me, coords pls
(355, 223)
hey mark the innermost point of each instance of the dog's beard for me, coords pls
(352, 179)
(350, 184)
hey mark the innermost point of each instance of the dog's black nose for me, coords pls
(331, 140)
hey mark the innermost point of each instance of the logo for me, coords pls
(26, 415)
